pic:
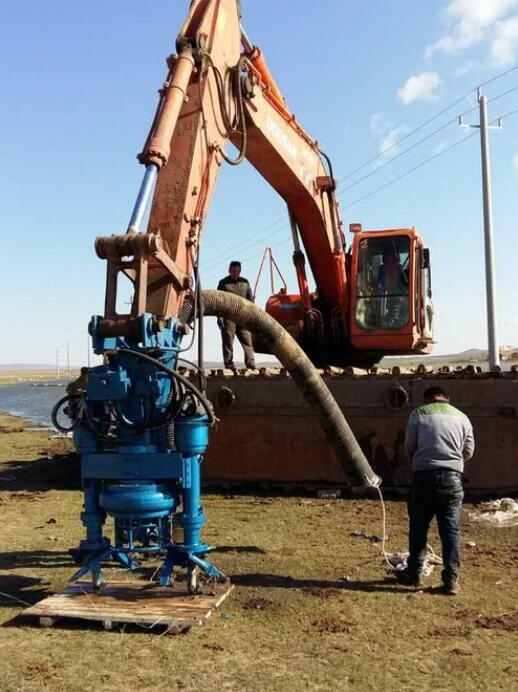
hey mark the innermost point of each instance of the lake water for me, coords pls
(32, 402)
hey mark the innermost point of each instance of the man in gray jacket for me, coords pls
(439, 439)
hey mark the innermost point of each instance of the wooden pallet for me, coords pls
(140, 603)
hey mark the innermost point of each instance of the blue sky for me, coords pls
(79, 84)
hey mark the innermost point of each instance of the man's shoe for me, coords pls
(405, 577)
(451, 588)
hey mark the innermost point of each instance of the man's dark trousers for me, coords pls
(229, 330)
(436, 493)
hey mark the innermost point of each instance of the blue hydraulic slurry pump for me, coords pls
(141, 429)
(140, 426)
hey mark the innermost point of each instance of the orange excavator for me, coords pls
(371, 300)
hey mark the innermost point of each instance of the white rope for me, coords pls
(431, 556)
(384, 530)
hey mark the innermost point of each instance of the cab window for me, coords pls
(382, 282)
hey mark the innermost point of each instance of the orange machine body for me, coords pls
(410, 331)
(219, 89)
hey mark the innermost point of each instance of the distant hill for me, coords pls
(480, 353)
(472, 353)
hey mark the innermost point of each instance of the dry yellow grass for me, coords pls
(313, 607)
(22, 376)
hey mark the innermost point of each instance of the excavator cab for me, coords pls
(391, 298)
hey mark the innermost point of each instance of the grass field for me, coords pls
(8, 377)
(314, 608)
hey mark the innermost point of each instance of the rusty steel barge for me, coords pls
(286, 446)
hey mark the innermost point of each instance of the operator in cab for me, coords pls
(391, 277)
(383, 284)
(239, 286)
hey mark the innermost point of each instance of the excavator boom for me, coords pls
(219, 89)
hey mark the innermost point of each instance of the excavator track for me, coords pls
(267, 436)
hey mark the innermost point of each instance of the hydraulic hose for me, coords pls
(285, 348)
(173, 374)
(74, 425)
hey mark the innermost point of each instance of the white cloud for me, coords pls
(379, 124)
(382, 128)
(469, 22)
(389, 141)
(419, 87)
(505, 41)
(515, 161)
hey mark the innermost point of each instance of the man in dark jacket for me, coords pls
(239, 286)
(439, 439)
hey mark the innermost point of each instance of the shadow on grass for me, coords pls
(17, 590)
(387, 585)
(238, 549)
(61, 472)
(43, 559)
(266, 493)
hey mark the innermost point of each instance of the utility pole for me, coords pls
(57, 364)
(492, 329)
(68, 363)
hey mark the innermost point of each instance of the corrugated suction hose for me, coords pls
(285, 348)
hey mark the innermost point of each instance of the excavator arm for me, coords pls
(218, 88)
(291, 162)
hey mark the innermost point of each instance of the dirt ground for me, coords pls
(313, 608)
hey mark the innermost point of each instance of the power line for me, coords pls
(411, 170)
(261, 230)
(392, 181)
(402, 139)
(435, 156)
(499, 96)
(427, 122)
(248, 258)
(420, 127)
(506, 115)
(423, 139)
(402, 175)
(401, 153)
(246, 243)
(502, 74)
